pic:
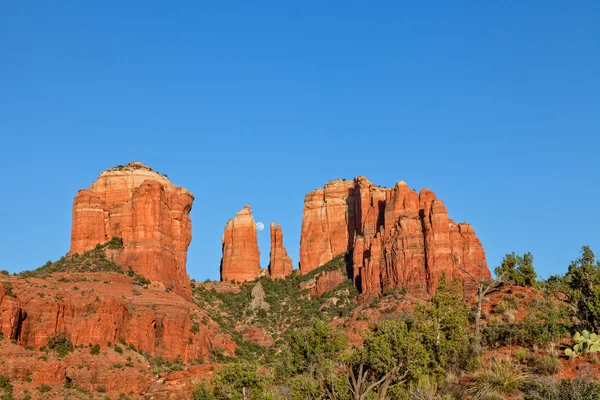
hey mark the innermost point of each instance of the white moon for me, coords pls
(260, 226)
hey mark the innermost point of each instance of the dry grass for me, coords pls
(497, 379)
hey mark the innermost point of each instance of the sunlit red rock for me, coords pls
(241, 256)
(280, 264)
(148, 212)
(327, 224)
(102, 308)
(328, 281)
(398, 238)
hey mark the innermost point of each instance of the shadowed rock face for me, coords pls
(241, 257)
(148, 212)
(398, 238)
(280, 264)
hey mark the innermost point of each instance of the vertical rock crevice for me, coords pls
(398, 237)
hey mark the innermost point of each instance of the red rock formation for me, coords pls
(28, 369)
(280, 264)
(327, 224)
(328, 281)
(148, 212)
(399, 238)
(257, 335)
(106, 308)
(241, 257)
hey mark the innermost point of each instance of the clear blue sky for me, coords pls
(493, 105)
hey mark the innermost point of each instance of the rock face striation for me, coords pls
(148, 212)
(241, 257)
(106, 308)
(280, 264)
(398, 238)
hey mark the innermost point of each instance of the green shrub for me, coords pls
(5, 387)
(579, 288)
(444, 322)
(95, 350)
(517, 270)
(115, 243)
(507, 304)
(60, 344)
(94, 260)
(234, 379)
(580, 388)
(139, 280)
(9, 289)
(118, 348)
(202, 393)
(521, 355)
(44, 388)
(546, 365)
(304, 387)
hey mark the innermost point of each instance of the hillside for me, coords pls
(524, 334)
(392, 300)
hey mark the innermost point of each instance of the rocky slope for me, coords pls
(145, 210)
(399, 238)
(99, 307)
(137, 329)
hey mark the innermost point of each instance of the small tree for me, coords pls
(484, 286)
(443, 322)
(95, 349)
(239, 380)
(59, 343)
(580, 288)
(392, 354)
(314, 351)
(517, 269)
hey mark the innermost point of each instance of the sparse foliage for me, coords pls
(580, 288)
(517, 270)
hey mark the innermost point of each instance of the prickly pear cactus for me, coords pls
(586, 342)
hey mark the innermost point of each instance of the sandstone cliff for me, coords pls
(148, 212)
(104, 307)
(398, 238)
(241, 257)
(280, 264)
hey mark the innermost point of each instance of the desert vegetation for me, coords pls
(515, 337)
(537, 340)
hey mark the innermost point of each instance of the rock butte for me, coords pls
(280, 264)
(241, 257)
(148, 212)
(397, 237)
